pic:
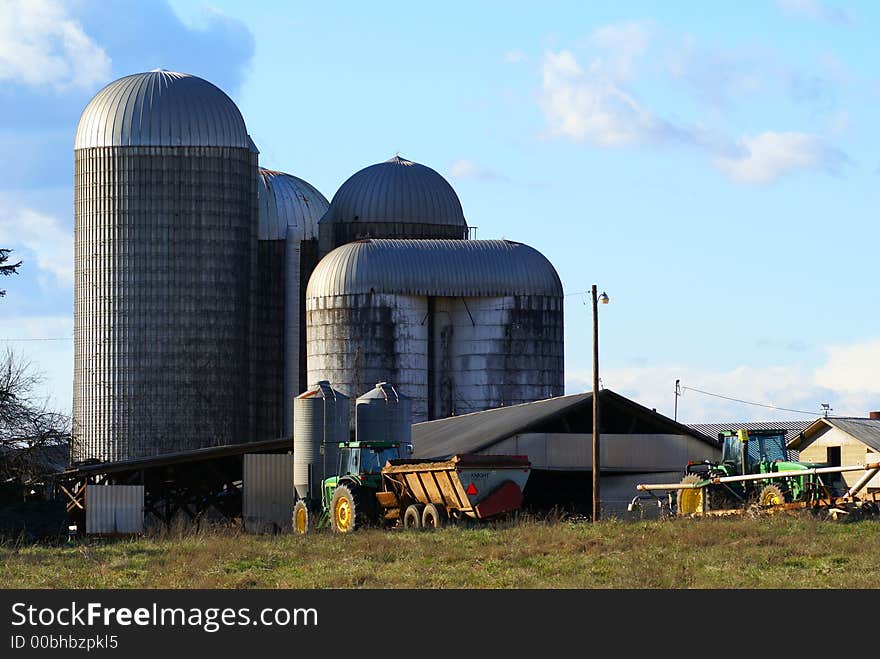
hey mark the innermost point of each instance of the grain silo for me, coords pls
(165, 246)
(383, 414)
(460, 325)
(397, 198)
(320, 423)
(287, 252)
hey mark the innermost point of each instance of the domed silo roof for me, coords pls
(288, 203)
(446, 268)
(396, 191)
(161, 108)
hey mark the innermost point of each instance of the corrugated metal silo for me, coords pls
(397, 198)
(383, 414)
(289, 210)
(320, 422)
(460, 325)
(165, 245)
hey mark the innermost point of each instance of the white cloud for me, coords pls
(467, 169)
(814, 10)
(42, 238)
(590, 105)
(515, 56)
(847, 380)
(625, 42)
(765, 157)
(41, 45)
(853, 368)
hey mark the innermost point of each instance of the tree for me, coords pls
(9, 268)
(31, 434)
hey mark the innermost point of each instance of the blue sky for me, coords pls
(713, 167)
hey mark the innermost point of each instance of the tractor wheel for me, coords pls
(346, 512)
(300, 519)
(771, 495)
(433, 517)
(412, 517)
(691, 501)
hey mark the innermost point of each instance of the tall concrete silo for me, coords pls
(460, 325)
(287, 252)
(397, 198)
(165, 247)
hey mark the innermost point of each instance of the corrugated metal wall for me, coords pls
(165, 243)
(112, 509)
(268, 494)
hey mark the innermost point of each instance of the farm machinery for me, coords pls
(374, 485)
(755, 475)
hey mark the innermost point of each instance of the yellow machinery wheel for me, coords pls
(300, 520)
(691, 501)
(771, 495)
(345, 509)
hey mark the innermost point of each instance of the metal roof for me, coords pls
(866, 431)
(792, 428)
(161, 108)
(288, 203)
(397, 190)
(477, 431)
(478, 268)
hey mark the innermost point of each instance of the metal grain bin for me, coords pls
(320, 422)
(383, 414)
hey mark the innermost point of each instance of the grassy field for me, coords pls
(777, 552)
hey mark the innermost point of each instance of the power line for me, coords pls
(738, 400)
(56, 338)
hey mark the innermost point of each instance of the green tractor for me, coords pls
(752, 452)
(348, 499)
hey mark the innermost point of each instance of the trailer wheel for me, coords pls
(300, 518)
(412, 517)
(433, 517)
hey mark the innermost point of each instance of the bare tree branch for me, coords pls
(29, 430)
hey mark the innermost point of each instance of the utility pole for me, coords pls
(596, 465)
(677, 394)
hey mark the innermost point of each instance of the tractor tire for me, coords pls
(690, 502)
(300, 520)
(412, 517)
(433, 517)
(771, 495)
(347, 509)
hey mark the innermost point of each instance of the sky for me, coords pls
(711, 166)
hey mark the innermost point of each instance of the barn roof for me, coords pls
(478, 431)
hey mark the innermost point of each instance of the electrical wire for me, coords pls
(59, 338)
(746, 402)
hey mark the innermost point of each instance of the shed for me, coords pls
(637, 445)
(842, 441)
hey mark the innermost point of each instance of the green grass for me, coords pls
(775, 552)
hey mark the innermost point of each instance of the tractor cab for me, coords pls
(753, 451)
(360, 466)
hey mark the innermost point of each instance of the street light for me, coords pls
(596, 467)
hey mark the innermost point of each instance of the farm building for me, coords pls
(842, 441)
(637, 445)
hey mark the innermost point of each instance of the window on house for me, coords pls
(833, 456)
